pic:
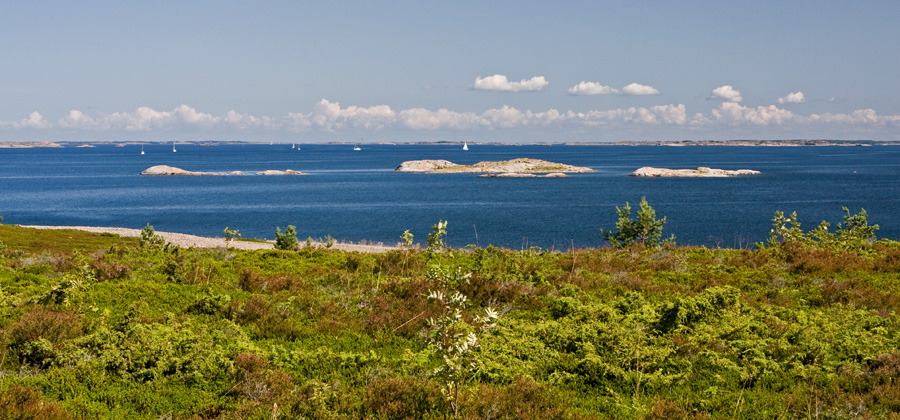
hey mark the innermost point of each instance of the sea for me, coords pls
(356, 196)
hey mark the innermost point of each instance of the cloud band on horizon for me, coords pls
(327, 116)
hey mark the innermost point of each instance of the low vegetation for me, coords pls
(804, 326)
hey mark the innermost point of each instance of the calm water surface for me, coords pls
(355, 195)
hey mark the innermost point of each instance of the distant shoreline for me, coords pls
(741, 143)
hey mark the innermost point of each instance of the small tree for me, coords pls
(852, 234)
(150, 240)
(646, 230)
(436, 238)
(856, 230)
(286, 241)
(230, 234)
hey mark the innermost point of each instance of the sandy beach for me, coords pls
(187, 241)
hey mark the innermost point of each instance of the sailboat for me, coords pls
(294, 146)
(173, 147)
(465, 146)
(142, 149)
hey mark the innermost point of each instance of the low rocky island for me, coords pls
(701, 172)
(171, 170)
(522, 167)
(28, 144)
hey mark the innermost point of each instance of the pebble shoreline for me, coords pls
(186, 241)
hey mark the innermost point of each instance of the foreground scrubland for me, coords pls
(99, 326)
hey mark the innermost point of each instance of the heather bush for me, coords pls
(18, 402)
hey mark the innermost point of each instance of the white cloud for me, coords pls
(656, 115)
(591, 88)
(330, 116)
(727, 93)
(792, 98)
(731, 113)
(425, 119)
(864, 117)
(499, 82)
(34, 120)
(639, 89)
(77, 120)
(594, 88)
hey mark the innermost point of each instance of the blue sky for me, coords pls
(513, 71)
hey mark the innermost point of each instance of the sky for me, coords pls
(481, 71)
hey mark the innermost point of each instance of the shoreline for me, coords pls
(184, 240)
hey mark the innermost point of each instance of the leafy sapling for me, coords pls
(453, 335)
(436, 238)
(230, 234)
(406, 239)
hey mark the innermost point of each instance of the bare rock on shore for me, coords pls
(171, 170)
(701, 172)
(285, 172)
(514, 166)
(430, 165)
(521, 175)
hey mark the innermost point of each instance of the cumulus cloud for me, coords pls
(594, 88)
(591, 88)
(34, 120)
(425, 119)
(727, 93)
(732, 113)
(656, 115)
(499, 82)
(792, 98)
(639, 89)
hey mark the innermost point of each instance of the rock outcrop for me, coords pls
(521, 175)
(515, 166)
(701, 172)
(171, 170)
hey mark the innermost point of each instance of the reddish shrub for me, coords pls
(668, 410)
(401, 306)
(257, 382)
(403, 398)
(522, 399)
(28, 403)
(42, 322)
(104, 270)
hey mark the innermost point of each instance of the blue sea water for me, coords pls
(355, 195)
